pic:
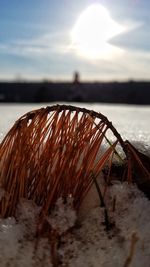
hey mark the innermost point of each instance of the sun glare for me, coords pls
(92, 32)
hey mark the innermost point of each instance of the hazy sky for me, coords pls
(36, 40)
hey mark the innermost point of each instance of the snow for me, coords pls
(83, 238)
(63, 217)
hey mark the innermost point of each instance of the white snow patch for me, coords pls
(92, 245)
(63, 216)
(87, 243)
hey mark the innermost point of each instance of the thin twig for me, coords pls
(102, 203)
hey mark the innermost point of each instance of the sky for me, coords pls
(49, 39)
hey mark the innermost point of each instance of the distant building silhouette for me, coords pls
(76, 79)
(76, 93)
(130, 92)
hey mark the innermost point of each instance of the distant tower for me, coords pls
(76, 77)
(76, 92)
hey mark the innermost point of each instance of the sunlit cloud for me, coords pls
(95, 34)
(108, 57)
(92, 31)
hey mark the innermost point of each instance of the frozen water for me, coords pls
(132, 122)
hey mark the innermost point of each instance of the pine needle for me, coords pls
(51, 152)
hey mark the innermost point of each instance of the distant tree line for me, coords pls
(131, 92)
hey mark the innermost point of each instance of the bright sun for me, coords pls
(92, 32)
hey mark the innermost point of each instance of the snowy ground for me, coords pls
(87, 243)
(132, 122)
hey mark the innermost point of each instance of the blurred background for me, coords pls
(75, 51)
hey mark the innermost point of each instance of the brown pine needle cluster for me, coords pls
(54, 152)
(51, 153)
